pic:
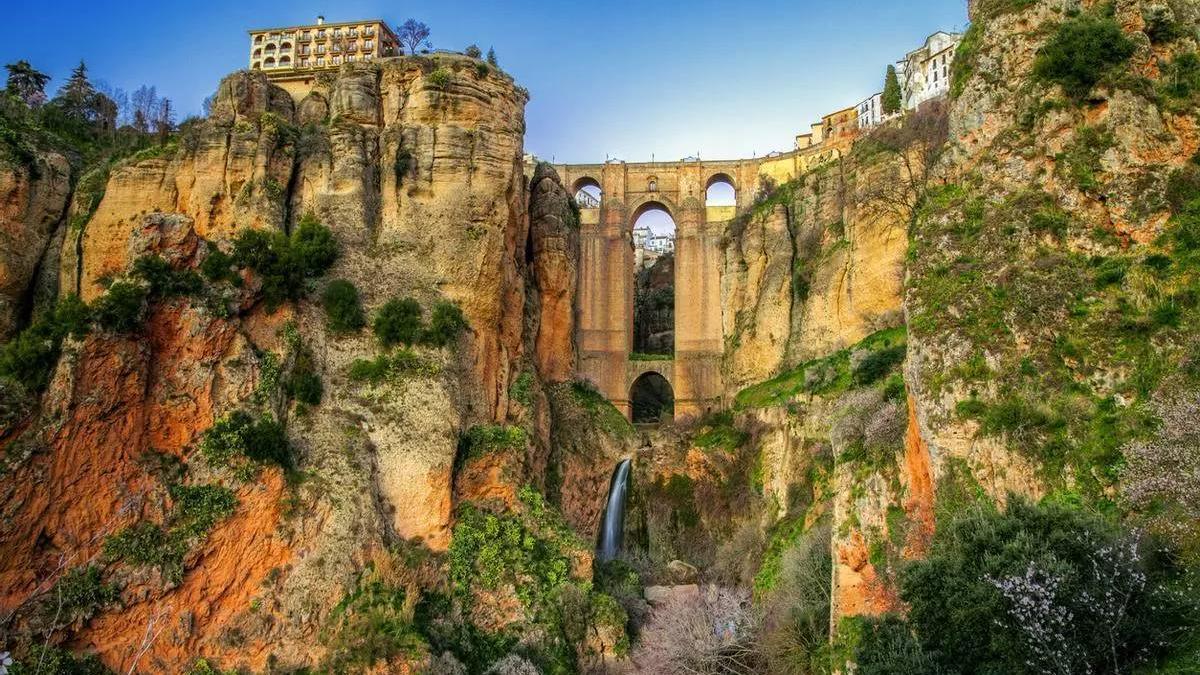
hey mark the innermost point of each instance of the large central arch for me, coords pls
(607, 285)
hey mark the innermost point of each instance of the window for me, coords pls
(337, 60)
(368, 45)
(258, 39)
(652, 185)
(320, 60)
(351, 58)
(320, 35)
(320, 49)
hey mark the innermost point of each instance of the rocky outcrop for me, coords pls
(554, 268)
(33, 203)
(813, 269)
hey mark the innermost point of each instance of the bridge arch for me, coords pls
(588, 192)
(648, 203)
(720, 190)
(652, 397)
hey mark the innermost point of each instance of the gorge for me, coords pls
(340, 380)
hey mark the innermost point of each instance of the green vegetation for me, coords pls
(43, 659)
(163, 280)
(122, 308)
(343, 309)
(78, 596)
(1081, 161)
(398, 322)
(1051, 587)
(219, 266)
(830, 374)
(1161, 27)
(197, 509)
(441, 78)
(30, 357)
(892, 102)
(717, 432)
(286, 264)
(372, 623)
(529, 553)
(1181, 77)
(401, 363)
(239, 436)
(304, 383)
(1083, 51)
(445, 325)
(602, 412)
(962, 68)
(990, 9)
(639, 356)
(485, 439)
(521, 389)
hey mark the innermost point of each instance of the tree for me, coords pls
(891, 92)
(145, 105)
(491, 58)
(27, 83)
(473, 51)
(414, 34)
(120, 99)
(917, 142)
(164, 120)
(77, 95)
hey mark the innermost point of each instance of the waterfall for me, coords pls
(612, 527)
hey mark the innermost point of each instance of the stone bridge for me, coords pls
(606, 287)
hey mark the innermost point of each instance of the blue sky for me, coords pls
(632, 80)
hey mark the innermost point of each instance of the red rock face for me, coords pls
(115, 400)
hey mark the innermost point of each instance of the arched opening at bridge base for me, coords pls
(652, 399)
(587, 193)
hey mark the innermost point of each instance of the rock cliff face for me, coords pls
(34, 201)
(421, 181)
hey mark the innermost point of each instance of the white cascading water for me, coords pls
(612, 527)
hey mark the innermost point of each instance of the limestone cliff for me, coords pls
(420, 180)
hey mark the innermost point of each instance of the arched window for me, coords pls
(720, 191)
(587, 193)
(269, 63)
(652, 184)
(258, 39)
(285, 61)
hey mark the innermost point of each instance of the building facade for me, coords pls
(297, 53)
(870, 111)
(925, 72)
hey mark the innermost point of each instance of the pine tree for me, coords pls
(491, 58)
(77, 94)
(891, 92)
(26, 83)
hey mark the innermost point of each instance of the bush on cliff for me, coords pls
(197, 509)
(239, 435)
(164, 280)
(343, 309)
(398, 322)
(445, 325)
(286, 264)
(1044, 588)
(1081, 53)
(30, 357)
(122, 307)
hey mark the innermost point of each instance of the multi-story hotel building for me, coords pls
(298, 53)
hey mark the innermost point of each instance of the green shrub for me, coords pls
(484, 439)
(398, 322)
(878, 364)
(196, 510)
(1082, 161)
(286, 264)
(80, 594)
(441, 78)
(886, 646)
(218, 266)
(44, 659)
(446, 324)
(343, 309)
(163, 280)
(304, 384)
(239, 435)
(1104, 600)
(401, 363)
(1161, 26)
(521, 389)
(30, 357)
(372, 623)
(1081, 53)
(122, 308)
(1181, 78)
(962, 68)
(200, 507)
